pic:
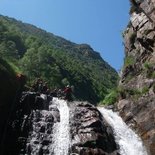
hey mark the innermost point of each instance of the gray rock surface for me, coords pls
(90, 132)
(137, 85)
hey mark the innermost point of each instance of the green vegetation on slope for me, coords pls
(111, 98)
(58, 61)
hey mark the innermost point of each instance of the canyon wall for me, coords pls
(137, 85)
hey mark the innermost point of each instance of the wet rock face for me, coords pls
(89, 132)
(30, 127)
(42, 118)
(137, 84)
(40, 139)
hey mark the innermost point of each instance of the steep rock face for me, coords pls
(137, 85)
(29, 127)
(29, 130)
(90, 132)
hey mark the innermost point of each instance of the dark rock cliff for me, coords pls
(9, 91)
(137, 84)
(30, 128)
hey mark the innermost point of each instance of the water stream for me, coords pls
(129, 142)
(61, 130)
(46, 138)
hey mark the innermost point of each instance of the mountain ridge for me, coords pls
(32, 27)
(40, 53)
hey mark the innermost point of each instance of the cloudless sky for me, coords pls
(99, 23)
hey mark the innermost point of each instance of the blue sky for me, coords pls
(99, 23)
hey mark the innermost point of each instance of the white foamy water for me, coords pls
(129, 142)
(61, 130)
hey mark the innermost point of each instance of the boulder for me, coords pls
(90, 133)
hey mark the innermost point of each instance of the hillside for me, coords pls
(38, 53)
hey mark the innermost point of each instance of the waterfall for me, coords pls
(129, 142)
(61, 131)
(49, 132)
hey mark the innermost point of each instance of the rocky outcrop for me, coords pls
(29, 125)
(137, 84)
(90, 132)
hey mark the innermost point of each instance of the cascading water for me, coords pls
(49, 131)
(45, 129)
(61, 131)
(129, 142)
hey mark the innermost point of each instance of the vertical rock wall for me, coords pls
(137, 84)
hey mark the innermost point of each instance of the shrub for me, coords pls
(149, 70)
(145, 90)
(129, 60)
(111, 98)
(5, 67)
(121, 92)
(134, 91)
(147, 65)
(14, 67)
(134, 6)
(132, 9)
